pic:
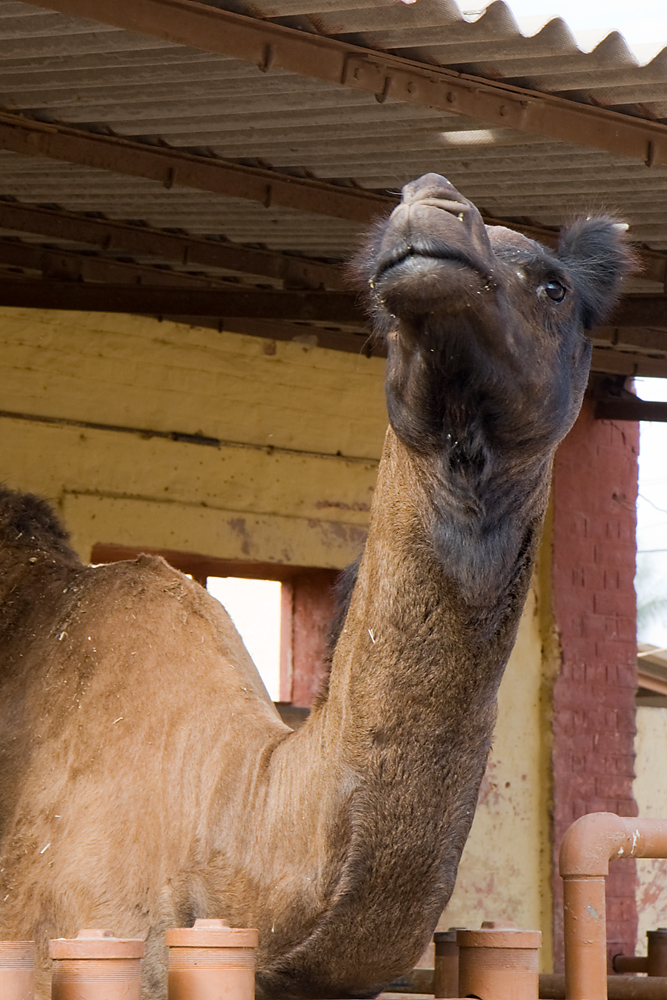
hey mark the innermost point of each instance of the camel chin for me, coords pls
(419, 284)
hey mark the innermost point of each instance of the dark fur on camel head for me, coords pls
(488, 354)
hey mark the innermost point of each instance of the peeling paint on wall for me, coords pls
(650, 788)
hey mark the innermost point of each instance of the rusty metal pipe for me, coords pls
(630, 963)
(445, 981)
(654, 963)
(656, 958)
(552, 987)
(588, 847)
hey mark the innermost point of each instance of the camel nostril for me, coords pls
(430, 187)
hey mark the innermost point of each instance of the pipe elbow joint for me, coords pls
(593, 841)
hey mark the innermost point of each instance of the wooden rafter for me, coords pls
(59, 264)
(183, 249)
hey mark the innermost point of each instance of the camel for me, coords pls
(146, 778)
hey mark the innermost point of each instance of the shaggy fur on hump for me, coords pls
(27, 521)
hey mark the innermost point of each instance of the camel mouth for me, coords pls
(405, 255)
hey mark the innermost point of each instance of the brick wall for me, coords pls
(594, 493)
(313, 610)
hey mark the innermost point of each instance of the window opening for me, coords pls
(303, 605)
(255, 608)
(651, 578)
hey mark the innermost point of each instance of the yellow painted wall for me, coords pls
(301, 428)
(84, 400)
(650, 788)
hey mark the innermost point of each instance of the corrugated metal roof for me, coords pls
(96, 77)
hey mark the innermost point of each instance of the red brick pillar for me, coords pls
(313, 606)
(594, 494)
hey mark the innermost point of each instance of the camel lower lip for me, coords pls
(460, 260)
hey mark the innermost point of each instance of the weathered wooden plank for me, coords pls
(227, 502)
(137, 372)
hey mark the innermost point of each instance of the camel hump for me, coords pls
(27, 521)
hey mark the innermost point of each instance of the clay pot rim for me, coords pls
(497, 938)
(96, 948)
(212, 937)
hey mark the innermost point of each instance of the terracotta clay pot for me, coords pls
(96, 966)
(499, 963)
(212, 961)
(17, 970)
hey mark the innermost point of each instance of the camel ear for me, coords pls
(596, 252)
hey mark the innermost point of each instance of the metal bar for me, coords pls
(605, 361)
(272, 46)
(184, 249)
(552, 987)
(310, 335)
(173, 167)
(629, 409)
(334, 307)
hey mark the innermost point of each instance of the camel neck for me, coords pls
(439, 592)
(396, 751)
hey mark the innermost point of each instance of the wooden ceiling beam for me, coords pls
(319, 306)
(634, 311)
(271, 46)
(183, 249)
(648, 311)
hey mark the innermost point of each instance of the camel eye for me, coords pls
(555, 290)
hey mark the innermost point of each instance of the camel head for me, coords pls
(485, 328)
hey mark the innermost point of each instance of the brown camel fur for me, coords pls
(145, 776)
